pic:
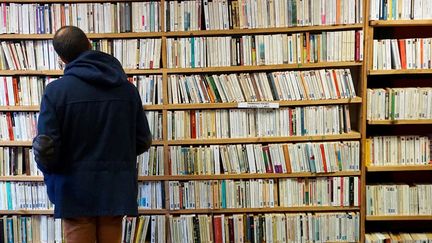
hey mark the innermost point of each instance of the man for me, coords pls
(91, 128)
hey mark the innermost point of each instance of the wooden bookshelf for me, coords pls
(399, 122)
(400, 23)
(399, 168)
(399, 218)
(358, 74)
(400, 72)
(392, 29)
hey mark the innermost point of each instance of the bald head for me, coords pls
(69, 42)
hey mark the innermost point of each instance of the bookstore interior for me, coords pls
(272, 120)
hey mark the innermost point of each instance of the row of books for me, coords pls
(18, 126)
(107, 17)
(23, 195)
(243, 123)
(381, 237)
(151, 195)
(17, 161)
(399, 103)
(272, 158)
(399, 199)
(29, 55)
(150, 88)
(195, 52)
(301, 228)
(32, 195)
(151, 162)
(251, 87)
(247, 14)
(402, 54)
(20, 161)
(264, 193)
(154, 119)
(132, 53)
(321, 191)
(398, 150)
(144, 228)
(400, 9)
(26, 229)
(22, 91)
(40, 54)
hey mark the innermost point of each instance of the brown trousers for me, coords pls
(93, 229)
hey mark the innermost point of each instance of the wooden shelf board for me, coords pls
(347, 136)
(355, 100)
(20, 108)
(262, 67)
(265, 210)
(27, 212)
(396, 23)
(15, 143)
(400, 71)
(89, 35)
(32, 72)
(275, 30)
(398, 217)
(400, 122)
(399, 168)
(63, 1)
(245, 176)
(21, 178)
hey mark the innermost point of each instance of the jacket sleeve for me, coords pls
(143, 134)
(46, 145)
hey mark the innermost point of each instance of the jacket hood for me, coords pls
(97, 68)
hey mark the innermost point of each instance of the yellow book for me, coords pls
(368, 151)
(139, 230)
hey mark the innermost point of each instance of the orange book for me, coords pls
(217, 229)
(402, 52)
(323, 157)
(338, 12)
(16, 90)
(335, 82)
(10, 127)
(287, 158)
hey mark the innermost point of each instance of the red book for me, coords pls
(193, 123)
(10, 126)
(402, 50)
(267, 159)
(323, 157)
(231, 229)
(6, 91)
(217, 229)
(357, 46)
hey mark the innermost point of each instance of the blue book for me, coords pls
(192, 52)
(223, 197)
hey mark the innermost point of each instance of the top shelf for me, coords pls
(277, 30)
(400, 23)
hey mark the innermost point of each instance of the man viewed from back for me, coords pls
(91, 128)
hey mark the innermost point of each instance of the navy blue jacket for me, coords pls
(91, 127)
